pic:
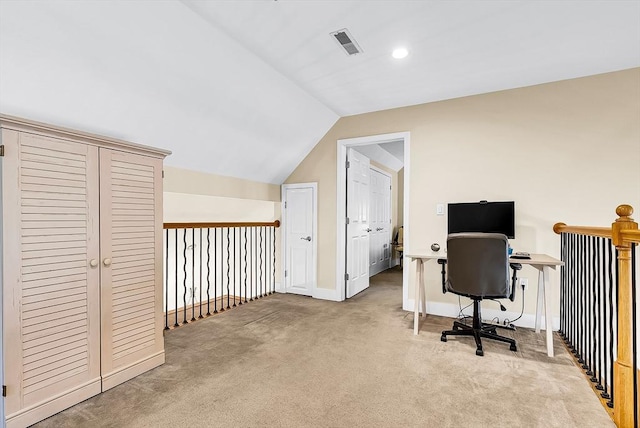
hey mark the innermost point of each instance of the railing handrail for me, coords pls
(630, 235)
(205, 225)
(626, 236)
(603, 232)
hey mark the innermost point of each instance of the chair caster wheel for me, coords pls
(443, 338)
(513, 348)
(480, 352)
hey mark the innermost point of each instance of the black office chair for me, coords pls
(398, 243)
(478, 268)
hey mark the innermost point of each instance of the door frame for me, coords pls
(285, 238)
(385, 173)
(341, 204)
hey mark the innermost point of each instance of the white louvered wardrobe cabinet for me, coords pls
(81, 265)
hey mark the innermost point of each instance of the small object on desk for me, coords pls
(435, 247)
(521, 255)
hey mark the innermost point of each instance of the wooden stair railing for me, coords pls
(624, 234)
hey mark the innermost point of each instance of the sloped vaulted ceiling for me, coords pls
(247, 88)
(156, 73)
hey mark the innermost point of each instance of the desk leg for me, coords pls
(541, 293)
(423, 293)
(548, 322)
(417, 296)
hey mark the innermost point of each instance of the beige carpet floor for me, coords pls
(292, 361)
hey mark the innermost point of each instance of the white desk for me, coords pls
(541, 262)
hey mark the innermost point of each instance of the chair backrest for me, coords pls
(478, 265)
(399, 239)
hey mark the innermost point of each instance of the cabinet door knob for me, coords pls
(93, 263)
(107, 262)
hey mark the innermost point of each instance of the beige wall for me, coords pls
(192, 196)
(178, 180)
(564, 151)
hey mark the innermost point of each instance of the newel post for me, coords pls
(623, 404)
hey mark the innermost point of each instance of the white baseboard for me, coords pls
(452, 310)
(325, 294)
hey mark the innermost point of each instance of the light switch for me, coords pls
(439, 209)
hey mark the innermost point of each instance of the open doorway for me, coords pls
(343, 250)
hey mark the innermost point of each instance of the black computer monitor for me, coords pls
(483, 216)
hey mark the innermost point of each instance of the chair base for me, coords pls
(478, 331)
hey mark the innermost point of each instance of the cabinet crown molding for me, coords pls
(31, 126)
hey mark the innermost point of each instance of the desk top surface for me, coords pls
(536, 259)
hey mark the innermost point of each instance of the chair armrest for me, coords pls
(514, 279)
(443, 263)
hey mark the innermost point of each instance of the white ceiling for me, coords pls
(390, 155)
(247, 88)
(457, 48)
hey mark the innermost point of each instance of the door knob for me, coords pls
(93, 263)
(368, 230)
(378, 229)
(107, 262)
(308, 238)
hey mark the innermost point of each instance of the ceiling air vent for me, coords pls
(347, 41)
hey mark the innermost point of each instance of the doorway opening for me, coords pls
(342, 250)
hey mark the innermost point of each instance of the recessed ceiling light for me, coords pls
(400, 53)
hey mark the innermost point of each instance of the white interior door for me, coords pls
(299, 219)
(358, 227)
(380, 203)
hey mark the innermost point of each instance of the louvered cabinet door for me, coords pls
(131, 251)
(51, 290)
